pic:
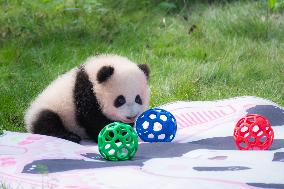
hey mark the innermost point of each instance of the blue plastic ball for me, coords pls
(156, 125)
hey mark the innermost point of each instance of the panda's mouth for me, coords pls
(124, 120)
(129, 120)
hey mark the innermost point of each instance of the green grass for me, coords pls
(234, 49)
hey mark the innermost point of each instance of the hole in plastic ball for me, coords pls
(157, 126)
(118, 143)
(152, 116)
(246, 135)
(107, 146)
(250, 120)
(151, 136)
(244, 129)
(243, 144)
(122, 152)
(163, 117)
(263, 139)
(111, 134)
(171, 137)
(111, 152)
(161, 136)
(128, 139)
(255, 128)
(124, 133)
(251, 139)
(145, 125)
(259, 133)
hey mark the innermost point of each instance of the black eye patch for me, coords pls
(119, 101)
(138, 100)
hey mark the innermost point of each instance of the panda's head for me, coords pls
(121, 87)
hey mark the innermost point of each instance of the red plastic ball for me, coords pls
(253, 132)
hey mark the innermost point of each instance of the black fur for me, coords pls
(145, 68)
(104, 73)
(138, 100)
(88, 111)
(119, 101)
(49, 123)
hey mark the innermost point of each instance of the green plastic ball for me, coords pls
(118, 141)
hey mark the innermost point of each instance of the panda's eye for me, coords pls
(138, 100)
(119, 101)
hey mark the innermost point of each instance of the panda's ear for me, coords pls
(145, 68)
(104, 73)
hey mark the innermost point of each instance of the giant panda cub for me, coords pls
(79, 103)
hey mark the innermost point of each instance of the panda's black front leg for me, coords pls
(91, 125)
(93, 131)
(87, 109)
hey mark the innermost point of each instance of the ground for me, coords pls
(197, 50)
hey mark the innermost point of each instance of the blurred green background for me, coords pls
(197, 50)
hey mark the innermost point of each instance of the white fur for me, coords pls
(127, 80)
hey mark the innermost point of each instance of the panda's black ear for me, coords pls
(145, 68)
(104, 73)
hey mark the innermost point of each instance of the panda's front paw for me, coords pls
(72, 137)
